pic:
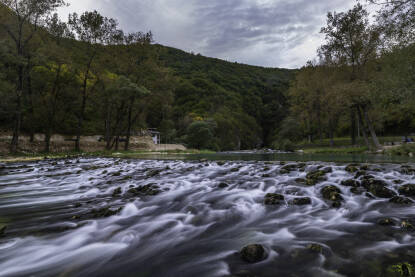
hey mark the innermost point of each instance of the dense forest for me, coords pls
(85, 76)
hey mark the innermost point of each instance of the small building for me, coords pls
(155, 135)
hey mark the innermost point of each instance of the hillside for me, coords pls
(198, 101)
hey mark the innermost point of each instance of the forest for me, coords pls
(85, 76)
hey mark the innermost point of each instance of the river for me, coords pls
(182, 216)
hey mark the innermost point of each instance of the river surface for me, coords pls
(150, 218)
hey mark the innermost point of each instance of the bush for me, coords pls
(200, 135)
(283, 145)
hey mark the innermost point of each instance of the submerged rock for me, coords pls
(407, 190)
(149, 189)
(352, 168)
(407, 225)
(3, 230)
(378, 188)
(401, 200)
(386, 221)
(116, 192)
(153, 173)
(104, 212)
(314, 177)
(407, 170)
(301, 201)
(223, 185)
(350, 183)
(401, 269)
(315, 248)
(253, 253)
(273, 199)
(332, 193)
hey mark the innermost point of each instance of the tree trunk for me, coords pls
(129, 125)
(47, 141)
(31, 109)
(371, 128)
(363, 127)
(18, 113)
(353, 126)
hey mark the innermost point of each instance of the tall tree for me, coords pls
(352, 42)
(95, 31)
(21, 25)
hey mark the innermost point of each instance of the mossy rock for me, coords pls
(331, 193)
(301, 201)
(398, 182)
(350, 183)
(300, 181)
(149, 189)
(273, 199)
(401, 270)
(315, 177)
(104, 212)
(387, 221)
(116, 174)
(116, 192)
(253, 253)
(407, 170)
(284, 171)
(220, 163)
(315, 248)
(401, 200)
(359, 174)
(407, 190)
(153, 173)
(407, 225)
(352, 168)
(289, 167)
(3, 229)
(378, 188)
(266, 175)
(223, 185)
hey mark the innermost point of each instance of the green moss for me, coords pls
(402, 269)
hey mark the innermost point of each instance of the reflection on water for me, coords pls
(131, 217)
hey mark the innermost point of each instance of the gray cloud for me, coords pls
(273, 33)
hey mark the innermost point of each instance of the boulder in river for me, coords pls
(253, 253)
(407, 190)
(378, 188)
(3, 230)
(273, 199)
(407, 225)
(401, 200)
(350, 183)
(104, 212)
(149, 189)
(116, 192)
(315, 176)
(332, 193)
(352, 168)
(301, 201)
(387, 221)
(223, 185)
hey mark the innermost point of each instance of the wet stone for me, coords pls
(301, 201)
(273, 199)
(3, 230)
(386, 221)
(315, 248)
(401, 200)
(223, 185)
(315, 177)
(407, 225)
(253, 253)
(350, 183)
(116, 192)
(149, 189)
(104, 212)
(332, 193)
(153, 173)
(378, 188)
(300, 181)
(352, 168)
(407, 190)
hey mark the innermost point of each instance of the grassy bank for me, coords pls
(20, 157)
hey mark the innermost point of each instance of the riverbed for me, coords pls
(191, 217)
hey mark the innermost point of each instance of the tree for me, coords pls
(94, 30)
(201, 134)
(352, 42)
(21, 24)
(397, 17)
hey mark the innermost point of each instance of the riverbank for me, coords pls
(26, 157)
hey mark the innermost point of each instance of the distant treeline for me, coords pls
(363, 82)
(86, 76)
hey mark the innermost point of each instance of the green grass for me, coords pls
(344, 142)
(401, 150)
(335, 150)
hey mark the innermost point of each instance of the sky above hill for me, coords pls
(272, 33)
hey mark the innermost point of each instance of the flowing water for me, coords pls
(131, 217)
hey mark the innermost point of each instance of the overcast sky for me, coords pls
(272, 33)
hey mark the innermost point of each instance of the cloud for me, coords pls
(272, 33)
